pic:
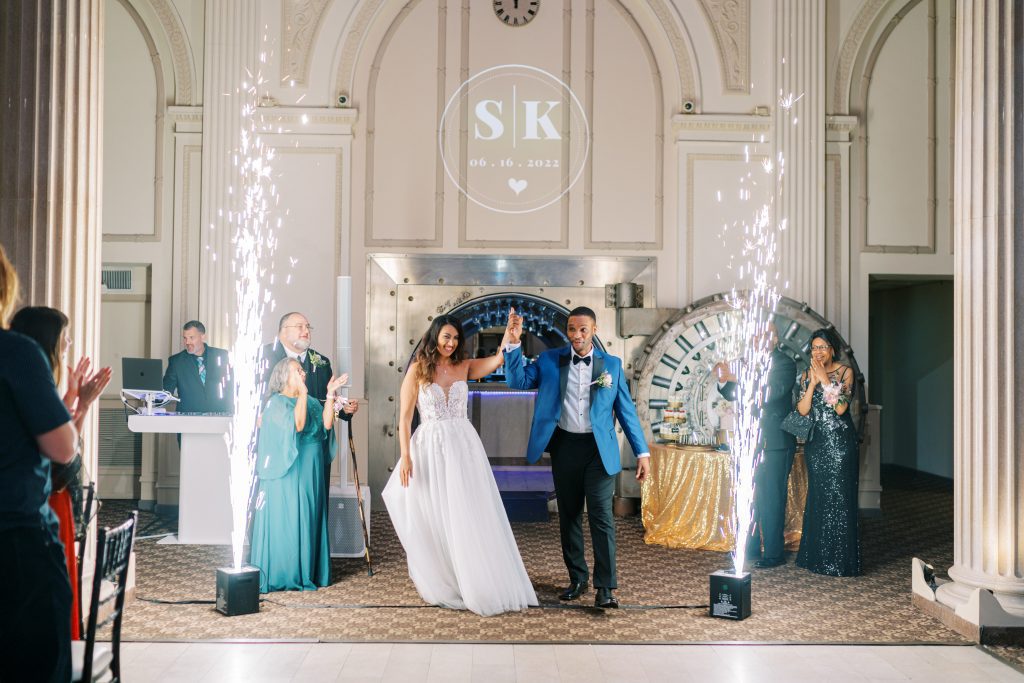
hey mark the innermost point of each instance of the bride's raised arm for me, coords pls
(481, 367)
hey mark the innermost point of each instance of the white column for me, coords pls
(231, 64)
(800, 73)
(51, 194)
(988, 319)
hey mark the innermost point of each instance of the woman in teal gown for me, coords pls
(294, 451)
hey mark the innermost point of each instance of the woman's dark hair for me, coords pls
(44, 325)
(831, 338)
(428, 356)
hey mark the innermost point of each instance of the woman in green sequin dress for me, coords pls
(830, 543)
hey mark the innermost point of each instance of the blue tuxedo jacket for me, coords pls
(549, 376)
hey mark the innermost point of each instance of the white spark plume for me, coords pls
(747, 344)
(253, 244)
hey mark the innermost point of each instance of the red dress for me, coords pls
(61, 504)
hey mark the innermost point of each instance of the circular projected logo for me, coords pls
(514, 138)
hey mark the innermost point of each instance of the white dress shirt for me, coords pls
(301, 357)
(575, 415)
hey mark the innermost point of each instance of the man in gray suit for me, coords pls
(200, 374)
(775, 455)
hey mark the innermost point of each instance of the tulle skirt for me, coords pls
(451, 522)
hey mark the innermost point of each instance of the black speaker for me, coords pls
(730, 595)
(238, 591)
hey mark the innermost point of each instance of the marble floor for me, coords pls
(312, 662)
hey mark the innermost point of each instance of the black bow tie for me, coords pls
(579, 359)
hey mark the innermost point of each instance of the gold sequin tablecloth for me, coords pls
(687, 500)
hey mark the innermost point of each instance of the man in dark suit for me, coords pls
(776, 450)
(293, 337)
(200, 375)
(581, 392)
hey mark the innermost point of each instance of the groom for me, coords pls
(574, 420)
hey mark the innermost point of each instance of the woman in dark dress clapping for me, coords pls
(830, 543)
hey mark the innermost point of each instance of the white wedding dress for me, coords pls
(450, 519)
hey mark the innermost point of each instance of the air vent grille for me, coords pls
(117, 280)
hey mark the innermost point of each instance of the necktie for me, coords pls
(577, 359)
(201, 362)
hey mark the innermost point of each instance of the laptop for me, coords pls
(142, 374)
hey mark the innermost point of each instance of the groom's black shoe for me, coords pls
(574, 591)
(605, 600)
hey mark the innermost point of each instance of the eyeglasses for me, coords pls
(303, 326)
(820, 347)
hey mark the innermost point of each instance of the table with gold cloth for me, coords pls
(687, 499)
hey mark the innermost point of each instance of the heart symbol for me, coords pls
(517, 185)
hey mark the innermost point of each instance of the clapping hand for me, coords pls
(92, 386)
(818, 373)
(337, 383)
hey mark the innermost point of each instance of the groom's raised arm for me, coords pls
(518, 375)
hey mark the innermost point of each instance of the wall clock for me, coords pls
(678, 362)
(516, 12)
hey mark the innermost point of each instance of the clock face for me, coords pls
(678, 365)
(516, 12)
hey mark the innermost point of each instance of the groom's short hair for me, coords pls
(584, 310)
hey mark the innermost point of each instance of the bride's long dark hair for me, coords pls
(428, 356)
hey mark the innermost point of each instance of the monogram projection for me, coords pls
(514, 138)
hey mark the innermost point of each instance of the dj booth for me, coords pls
(204, 500)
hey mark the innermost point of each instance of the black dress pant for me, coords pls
(580, 478)
(35, 620)
(771, 491)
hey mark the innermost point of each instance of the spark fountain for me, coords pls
(753, 298)
(253, 244)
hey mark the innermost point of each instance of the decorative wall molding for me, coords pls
(860, 98)
(849, 51)
(181, 52)
(300, 25)
(658, 141)
(339, 189)
(669, 19)
(158, 137)
(371, 110)
(691, 161)
(833, 242)
(352, 44)
(191, 160)
(840, 128)
(730, 21)
(720, 123)
(309, 120)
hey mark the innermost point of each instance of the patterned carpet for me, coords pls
(659, 589)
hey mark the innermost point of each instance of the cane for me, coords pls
(359, 501)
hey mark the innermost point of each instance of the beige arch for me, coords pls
(352, 47)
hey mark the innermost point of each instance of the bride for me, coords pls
(442, 498)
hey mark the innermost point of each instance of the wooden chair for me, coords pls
(92, 661)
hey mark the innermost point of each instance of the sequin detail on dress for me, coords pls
(830, 543)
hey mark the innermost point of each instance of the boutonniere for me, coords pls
(603, 381)
(316, 360)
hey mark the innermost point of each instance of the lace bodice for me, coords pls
(434, 405)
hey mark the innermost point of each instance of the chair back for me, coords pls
(113, 552)
(81, 534)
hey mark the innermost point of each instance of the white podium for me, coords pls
(204, 498)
